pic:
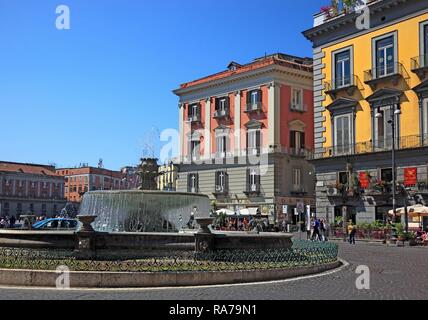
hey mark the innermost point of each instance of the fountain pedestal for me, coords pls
(204, 239)
(85, 246)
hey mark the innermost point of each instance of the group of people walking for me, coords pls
(7, 222)
(317, 230)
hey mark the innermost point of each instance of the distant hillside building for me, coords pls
(30, 189)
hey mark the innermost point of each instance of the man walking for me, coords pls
(352, 230)
(316, 234)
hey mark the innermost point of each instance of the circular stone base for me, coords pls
(87, 280)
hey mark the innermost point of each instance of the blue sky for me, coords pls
(103, 88)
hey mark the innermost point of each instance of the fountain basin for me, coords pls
(144, 211)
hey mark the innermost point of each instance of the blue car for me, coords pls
(58, 224)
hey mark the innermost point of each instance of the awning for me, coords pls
(413, 211)
(248, 212)
(226, 212)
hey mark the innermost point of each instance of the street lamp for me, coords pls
(397, 112)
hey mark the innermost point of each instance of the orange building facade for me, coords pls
(245, 134)
(78, 181)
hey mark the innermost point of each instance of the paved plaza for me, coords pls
(396, 273)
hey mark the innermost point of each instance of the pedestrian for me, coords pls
(316, 234)
(308, 230)
(12, 221)
(352, 230)
(327, 230)
(284, 226)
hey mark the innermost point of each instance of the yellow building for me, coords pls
(167, 178)
(371, 96)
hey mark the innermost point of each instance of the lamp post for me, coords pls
(392, 122)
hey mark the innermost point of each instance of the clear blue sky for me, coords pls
(102, 88)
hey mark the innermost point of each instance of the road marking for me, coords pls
(344, 265)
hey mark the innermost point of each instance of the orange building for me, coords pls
(30, 189)
(78, 181)
(262, 109)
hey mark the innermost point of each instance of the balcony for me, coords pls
(221, 114)
(403, 143)
(194, 118)
(299, 152)
(253, 151)
(298, 108)
(298, 191)
(419, 65)
(254, 107)
(347, 84)
(391, 72)
(252, 189)
(220, 191)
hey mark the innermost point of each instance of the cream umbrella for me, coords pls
(413, 211)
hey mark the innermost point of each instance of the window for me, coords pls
(253, 141)
(342, 76)
(386, 175)
(343, 178)
(253, 178)
(222, 142)
(385, 57)
(222, 104)
(297, 99)
(425, 120)
(254, 100)
(31, 207)
(297, 179)
(193, 183)
(383, 129)
(44, 210)
(343, 136)
(424, 45)
(194, 112)
(19, 208)
(221, 182)
(6, 208)
(195, 149)
(297, 140)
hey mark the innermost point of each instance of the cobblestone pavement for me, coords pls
(396, 273)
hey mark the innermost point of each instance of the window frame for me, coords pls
(294, 105)
(375, 40)
(254, 136)
(425, 118)
(423, 40)
(297, 179)
(351, 133)
(350, 49)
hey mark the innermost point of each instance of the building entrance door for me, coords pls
(351, 213)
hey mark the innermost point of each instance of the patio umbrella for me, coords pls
(413, 211)
(226, 212)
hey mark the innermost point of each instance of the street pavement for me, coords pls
(395, 273)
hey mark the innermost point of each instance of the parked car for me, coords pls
(58, 224)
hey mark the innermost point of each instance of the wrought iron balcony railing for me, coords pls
(252, 188)
(219, 114)
(419, 62)
(254, 107)
(339, 84)
(402, 143)
(392, 69)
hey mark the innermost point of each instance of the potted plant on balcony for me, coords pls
(348, 5)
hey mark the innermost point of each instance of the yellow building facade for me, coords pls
(370, 98)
